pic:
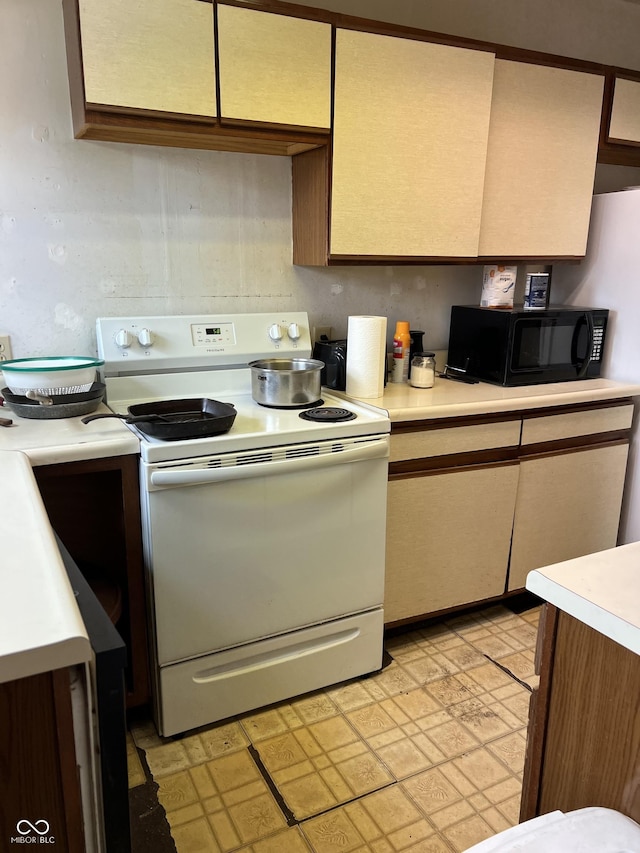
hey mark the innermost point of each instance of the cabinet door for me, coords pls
(624, 125)
(409, 145)
(448, 536)
(541, 160)
(149, 54)
(273, 68)
(568, 505)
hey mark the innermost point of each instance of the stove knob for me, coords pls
(123, 339)
(294, 332)
(145, 338)
(275, 332)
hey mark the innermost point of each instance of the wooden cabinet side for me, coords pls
(584, 747)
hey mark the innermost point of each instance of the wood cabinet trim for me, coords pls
(538, 710)
(453, 463)
(72, 801)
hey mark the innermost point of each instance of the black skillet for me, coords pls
(172, 420)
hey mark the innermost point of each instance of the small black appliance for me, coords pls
(522, 347)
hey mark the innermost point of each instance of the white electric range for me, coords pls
(265, 545)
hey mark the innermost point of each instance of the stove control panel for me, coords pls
(208, 334)
(203, 341)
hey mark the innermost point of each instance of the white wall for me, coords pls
(90, 229)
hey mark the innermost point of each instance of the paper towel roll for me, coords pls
(366, 356)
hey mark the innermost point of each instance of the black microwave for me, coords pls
(524, 347)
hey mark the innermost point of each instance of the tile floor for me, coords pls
(426, 755)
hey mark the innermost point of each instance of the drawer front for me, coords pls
(575, 424)
(211, 688)
(457, 439)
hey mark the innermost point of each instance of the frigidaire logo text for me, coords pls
(33, 833)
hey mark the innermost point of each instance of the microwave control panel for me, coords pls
(598, 338)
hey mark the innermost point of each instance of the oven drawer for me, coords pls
(211, 688)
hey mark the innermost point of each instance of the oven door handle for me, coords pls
(167, 477)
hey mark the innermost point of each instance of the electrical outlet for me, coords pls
(5, 347)
(319, 331)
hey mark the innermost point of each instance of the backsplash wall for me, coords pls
(91, 228)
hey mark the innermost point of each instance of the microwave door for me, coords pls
(582, 362)
(533, 345)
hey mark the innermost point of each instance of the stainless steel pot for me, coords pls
(286, 383)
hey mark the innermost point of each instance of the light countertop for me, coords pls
(600, 590)
(449, 398)
(53, 440)
(40, 624)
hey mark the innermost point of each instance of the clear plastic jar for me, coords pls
(423, 370)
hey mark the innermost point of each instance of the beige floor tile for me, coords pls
(394, 680)
(315, 707)
(511, 809)
(271, 722)
(322, 765)
(195, 837)
(431, 790)
(214, 742)
(135, 771)
(468, 832)
(385, 822)
(452, 738)
(404, 758)
(453, 689)
(520, 664)
(481, 768)
(485, 718)
(230, 793)
(429, 668)
(511, 750)
(356, 694)
(289, 841)
(167, 758)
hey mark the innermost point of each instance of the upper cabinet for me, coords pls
(408, 146)
(273, 68)
(443, 153)
(410, 129)
(624, 125)
(149, 55)
(541, 160)
(145, 71)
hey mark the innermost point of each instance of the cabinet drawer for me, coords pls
(440, 441)
(574, 424)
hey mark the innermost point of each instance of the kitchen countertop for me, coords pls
(40, 625)
(600, 590)
(449, 398)
(53, 440)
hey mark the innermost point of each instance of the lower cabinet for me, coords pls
(40, 784)
(475, 504)
(583, 746)
(568, 505)
(445, 546)
(94, 507)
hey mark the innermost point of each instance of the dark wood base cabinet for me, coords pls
(94, 507)
(583, 745)
(39, 782)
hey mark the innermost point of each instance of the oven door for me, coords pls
(250, 545)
